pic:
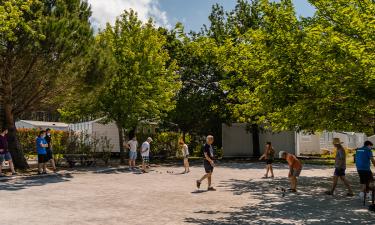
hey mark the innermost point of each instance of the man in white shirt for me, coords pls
(145, 152)
(132, 145)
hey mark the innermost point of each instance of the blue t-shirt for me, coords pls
(41, 150)
(363, 158)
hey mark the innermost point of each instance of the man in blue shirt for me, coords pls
(363, 157)
(41, 145)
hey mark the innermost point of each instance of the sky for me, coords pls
(192, 13)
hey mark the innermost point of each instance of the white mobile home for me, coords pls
(30, 124)
(97, 128)
(238, 141)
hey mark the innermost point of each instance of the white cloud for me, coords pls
(108, 10)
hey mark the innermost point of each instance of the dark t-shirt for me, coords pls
(48, 139)
(3, 144)
(209, 150)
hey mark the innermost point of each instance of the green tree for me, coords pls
(142, 82)
(42, 48)
(311, 74)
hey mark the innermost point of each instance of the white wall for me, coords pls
(237, 141)
(282, 141)
(21, 124)
(107, 130)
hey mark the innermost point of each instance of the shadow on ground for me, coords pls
(32, 181)
(309, 206)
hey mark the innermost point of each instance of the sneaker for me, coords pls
(198, 184)
(44, 172)
(350, 194)
(14, 174)
(211, 189)
(292, 190)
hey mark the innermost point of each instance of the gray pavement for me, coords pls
(163, 196)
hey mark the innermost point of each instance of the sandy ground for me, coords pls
(163, 197)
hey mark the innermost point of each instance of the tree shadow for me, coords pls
(309, 206)
(33, 181)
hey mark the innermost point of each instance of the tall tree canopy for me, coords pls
(42, 49)
(142, 82)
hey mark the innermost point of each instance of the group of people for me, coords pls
(363, 160)
(132, 146)
(44, 151)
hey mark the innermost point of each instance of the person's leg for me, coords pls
(293, 183)
(11, 166)
(53, 164)
(347, 184)
(271, 170)
(39, 167)
(44, 167)
(334, 184)
(209, 178)
(267, 170)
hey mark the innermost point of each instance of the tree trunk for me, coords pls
(256, 145)
(121, 142)
(19, 159)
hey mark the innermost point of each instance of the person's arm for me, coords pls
(209, 159)
(262, 156)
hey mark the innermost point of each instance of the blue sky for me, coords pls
(192, 13)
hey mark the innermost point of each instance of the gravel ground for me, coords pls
(163, 196)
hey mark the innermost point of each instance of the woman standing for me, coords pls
(269, 155)
(185, 153)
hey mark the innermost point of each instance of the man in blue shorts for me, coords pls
(132, 145)
(4, 152)
(363, 157)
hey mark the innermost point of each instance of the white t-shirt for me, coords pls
(145, 149)
(185, 150)
(133, 145)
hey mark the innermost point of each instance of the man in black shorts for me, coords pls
(363, 160)
(49, 149)
(208, 163)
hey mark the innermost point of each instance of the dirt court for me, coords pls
(163, 196)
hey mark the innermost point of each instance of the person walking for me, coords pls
(185, 154)
(363, 158)
(145, 152)
(4, 152)
(49, 149)
(340, 167)
(132, 145)
(208, 163)
(295, 168)
(41, 146)
(269, 155)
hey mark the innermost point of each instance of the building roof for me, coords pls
(45, 124)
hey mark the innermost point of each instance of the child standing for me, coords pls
(208, 163)
(269, 154)
(295, 168)
(185, 153)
